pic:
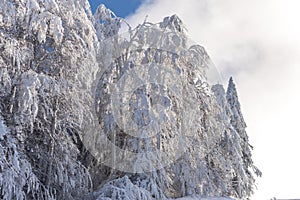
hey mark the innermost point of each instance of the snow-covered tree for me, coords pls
(244, 180)
(63, 74)
(47, 57)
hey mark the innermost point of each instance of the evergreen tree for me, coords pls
(238, 123)
(244, 180)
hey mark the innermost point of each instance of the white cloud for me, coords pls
(258, 42)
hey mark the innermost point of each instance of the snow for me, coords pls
(86, 112)
(206, 198)
(3, 129)
(123, 188)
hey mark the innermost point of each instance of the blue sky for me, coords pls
(121, 8)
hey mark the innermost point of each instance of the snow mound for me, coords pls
(124, 189)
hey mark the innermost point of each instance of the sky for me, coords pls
(258, 43)
(121, 8)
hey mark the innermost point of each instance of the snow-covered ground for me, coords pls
(199, 198)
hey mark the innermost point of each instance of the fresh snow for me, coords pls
(3, 129)
(74, 93)
(207, 198)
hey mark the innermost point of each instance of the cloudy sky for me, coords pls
(258, 43)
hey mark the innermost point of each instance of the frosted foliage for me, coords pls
(42, 97)
(44, 18)
(212, 162)
(152, 48)
(173, 22)
(63, 74)
(244, 182)
(107, 24)
(16, 173)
